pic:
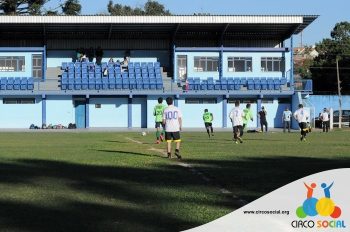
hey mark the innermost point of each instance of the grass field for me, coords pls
(106, 182)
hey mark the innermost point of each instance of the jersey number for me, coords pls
(171, 115)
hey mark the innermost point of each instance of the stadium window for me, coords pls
(18, 101)
(284, 100)
(272, 64)
(200, 101)
(37, 65)
(239, 64)
(12, 63)
(267, 100)
(98, 106)
(206, 64)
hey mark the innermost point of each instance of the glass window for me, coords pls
(239, 64)
(200, 101)
(12, 63)
(272, 64)
(19, 101)
(206, 64)
(241, 100)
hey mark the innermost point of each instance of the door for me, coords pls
(79, 106)
(182, 67)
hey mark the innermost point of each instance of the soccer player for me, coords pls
(236, 115)
(208, 119)
(263, 120)
(248, 115)
(158, 113)
(302, 116)
(325, 120)
(172, 118)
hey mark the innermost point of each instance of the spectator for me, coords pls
(325, 120)
(302, 117)
(263, 121)
(83, 58)
(111, 60)
(90, 54)
(125, 63)
(286, 119)
(99, 55)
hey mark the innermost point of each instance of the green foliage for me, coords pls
(21, 7)
(150, 8)
(324, 66)
(71, 7)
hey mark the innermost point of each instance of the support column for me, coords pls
(130, 111)
(291, 64)
(43, 109)
(44, 63)
(174, 64)
(176, 100)
(87, 113)
(258, 108)
(221, 58)
(224, 111)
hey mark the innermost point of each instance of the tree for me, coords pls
(21, 7)
(330, 50)
(71, 7)
(150, 8)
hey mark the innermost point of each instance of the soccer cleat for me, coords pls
(301, 138)
(212, 134)
(240, 140)
(177, 153)
(157, 142)
(169, 155)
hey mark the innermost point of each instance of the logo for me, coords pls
(324, 206)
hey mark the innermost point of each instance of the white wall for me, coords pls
(20, 115)
(113, 112)
(59, 110)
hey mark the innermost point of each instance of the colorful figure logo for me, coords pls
(313, 206)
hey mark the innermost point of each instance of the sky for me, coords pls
(330, 11)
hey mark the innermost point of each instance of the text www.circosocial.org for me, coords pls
(257, 212)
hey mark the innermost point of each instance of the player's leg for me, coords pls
(288, 125)
(265, 123)
(262, 126)
(327, 126)
(240, 133)
(235, 134)
(177, 139)
(211, 129)
(157, 132)
(168, 139)
(284, 126)
(162, 134)
(207, 128)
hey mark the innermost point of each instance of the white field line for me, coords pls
(193, 170)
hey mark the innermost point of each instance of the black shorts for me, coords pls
(172, 136)
(158, 124)
(208, 124)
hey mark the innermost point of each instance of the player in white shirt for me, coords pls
(302, 116)
(172, 118)
(325, 120)
(236, 115)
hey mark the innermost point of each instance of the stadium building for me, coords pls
(201, 61)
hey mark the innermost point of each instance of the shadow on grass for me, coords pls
(130, 153)
(252, 178)
(132, 198)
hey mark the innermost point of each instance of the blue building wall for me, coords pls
(193, 113)
(113, 112)
(28, 64)
(328, 101)
(20, 115)
(59, 110)
(139, 112)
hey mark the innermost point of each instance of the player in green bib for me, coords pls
(208, 119)
(248, 115)
(158, 113)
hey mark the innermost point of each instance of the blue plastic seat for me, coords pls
(217, 85)
(159, 83)
(3, 82)
(77, 75)
(132, 83)
(152, 83)
(146, 83)
(64, 83)
(64, 66)
(277, 83)
(24, 83)
(250, 84)
(210, 83)
(204, 84)
(105, 82)
(263, 83)
(111, 83)
(92, 83)
(138, 76)
(157, 71)
(243, 81)
(17, 83)
(70, 83)
(151, 75)
(237, 84)
(270, 84)
(30, 83)
(143, 65)
(190, 83)
(125, 75)
(283, 81)
(223, 83)
(125, 83)
(118, 83)
(139, 83)
(84, 83)
(77, 83)
(257, 83)
(137, 65)
(144, 70)
(197, 83)
(145, 75)
(230, 83)
(98, 83)
(156, 64)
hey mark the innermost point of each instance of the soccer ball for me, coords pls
(144, 133)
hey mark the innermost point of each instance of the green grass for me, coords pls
(105, 182)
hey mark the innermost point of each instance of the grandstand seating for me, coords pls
(230, 83)
(16, 83)
(110, 76)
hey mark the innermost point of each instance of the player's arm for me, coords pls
(230, 115)
(212, 116)
(180, 123)
(154, 111)
(163, 118)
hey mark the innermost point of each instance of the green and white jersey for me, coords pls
(208, 117)
(158, 112)
(248, 115)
